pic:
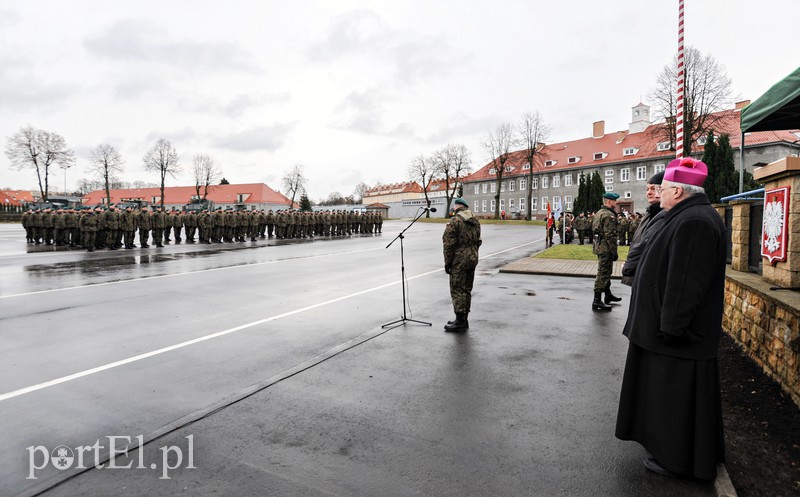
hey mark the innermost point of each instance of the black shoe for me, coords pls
(159, 245)
(598, 305)
(610, 297)
(460, 323)
(652, 465)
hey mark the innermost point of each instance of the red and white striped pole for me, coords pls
(681, 82)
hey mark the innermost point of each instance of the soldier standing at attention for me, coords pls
(605, 248)
(159, 222)
(71, 221)
(127, 225)
(145, 223)
(89, 229)
(461, 241)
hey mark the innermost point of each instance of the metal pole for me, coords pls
(681, 82)
(741, 163)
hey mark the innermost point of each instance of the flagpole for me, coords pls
(681, 83)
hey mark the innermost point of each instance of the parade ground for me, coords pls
(263, 368)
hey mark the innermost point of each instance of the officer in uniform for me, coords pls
(145, 222)
(127, 226)
(88, 225)
(604, 227)
(461, 241)
(71, 222)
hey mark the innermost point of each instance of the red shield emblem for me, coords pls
(774, 233)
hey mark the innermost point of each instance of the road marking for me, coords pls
(146, 355)
(143, 278)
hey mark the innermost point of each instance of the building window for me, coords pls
(549, 163)
(661, 147)
(628, 195)
(534, 183)
(240, 198)
(568, 179)
(609, 181)
(533, 203)
(494, 188)
(609, 188)
(557, 203)
(523, 184)
(600, 156)
(502, 204)
(658, 168)
(503, 187)
(483, 206)
(522, 205)
(492, 170)
(702, 140)
(511, 204)
(511, 185)
(573, 160)
(556, 181)
(526, 167)
(156, 200)
(641, 173)
(568, 202)
(609, 172)
(477, 188)
(544, 181)
(625, 174)
(485, 187)
(544, 203)
(492, 206)
(629, 151)
(477, 205)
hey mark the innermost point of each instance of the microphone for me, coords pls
(432, 209)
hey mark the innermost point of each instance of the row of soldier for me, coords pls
(582, 227)
(114, 228)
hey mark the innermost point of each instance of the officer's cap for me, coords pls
(462, 202)
(611, 195)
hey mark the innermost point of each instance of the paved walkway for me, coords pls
(558, 267)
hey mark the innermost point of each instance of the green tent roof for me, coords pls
(778, 108)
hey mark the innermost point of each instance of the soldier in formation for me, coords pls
(605, 248)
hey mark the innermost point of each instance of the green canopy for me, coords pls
(778, 108)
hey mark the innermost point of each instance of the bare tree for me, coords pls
(452, 162)
(105, 163)
(422, 171)
(359, 191)
(533, 132)
(707, 90)
(498, 148)
(163, 159)
(294, 181)
(39, 150)
(206, 173)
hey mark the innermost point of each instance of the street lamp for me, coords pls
(65, 167)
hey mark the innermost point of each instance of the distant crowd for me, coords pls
(568, 226)
(114, 228)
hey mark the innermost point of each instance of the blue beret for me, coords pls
(611, 195)
(462, 202)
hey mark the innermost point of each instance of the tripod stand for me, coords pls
(403, 319)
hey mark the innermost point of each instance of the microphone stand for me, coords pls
(403, 319)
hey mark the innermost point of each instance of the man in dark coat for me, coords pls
(648, 225)
(670, 401)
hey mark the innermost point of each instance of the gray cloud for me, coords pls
(267, 138)
(413, 56)
(459, 127)
(22, 90)
(363, 112)
(135, 40)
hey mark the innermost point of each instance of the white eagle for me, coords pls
(773, 225)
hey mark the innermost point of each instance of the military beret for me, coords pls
(611, 195)
(462, 202)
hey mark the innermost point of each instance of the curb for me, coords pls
(723, 487)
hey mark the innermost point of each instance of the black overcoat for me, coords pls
(678, 293)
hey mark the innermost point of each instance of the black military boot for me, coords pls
(598, 305)
(460, 324)
(610, 297)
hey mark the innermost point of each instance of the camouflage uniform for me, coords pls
(605, 246)
(145, 221)
(461, 241)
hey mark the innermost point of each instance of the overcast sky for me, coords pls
(353, 90)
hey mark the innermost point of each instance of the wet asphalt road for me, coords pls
(144, 342)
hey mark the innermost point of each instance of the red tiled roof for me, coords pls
(255, 193)
(407, 187)
(612, 145)
(15, 197)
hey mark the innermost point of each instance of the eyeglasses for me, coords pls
(667, 188)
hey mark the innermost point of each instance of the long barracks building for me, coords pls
(624, 160)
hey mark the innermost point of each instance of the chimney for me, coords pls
(598, 129)
(741, 105)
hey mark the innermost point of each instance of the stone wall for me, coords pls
(767, 326)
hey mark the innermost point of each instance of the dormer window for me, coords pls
(549, 163)
(600, 155)
(573, 160)
(629, 151)
(526, 167)
(702, 140)
(662, 146)
(492, 171)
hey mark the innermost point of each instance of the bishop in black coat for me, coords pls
(670, 400)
